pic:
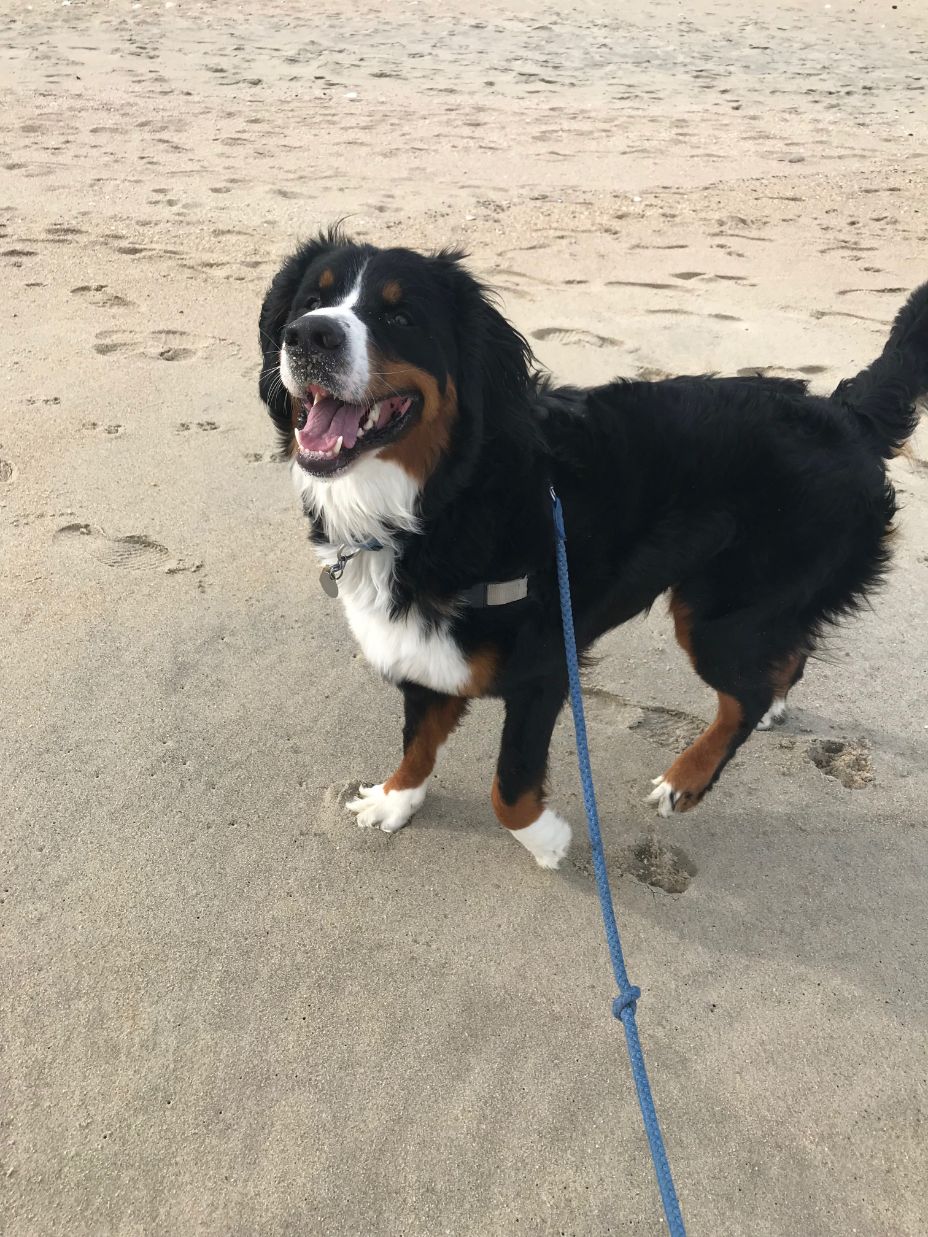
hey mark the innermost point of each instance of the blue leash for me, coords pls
(623, 1007)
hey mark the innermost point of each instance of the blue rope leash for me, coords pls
(624, 1005)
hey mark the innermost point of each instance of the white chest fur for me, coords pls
(403, 647)
(371, 498)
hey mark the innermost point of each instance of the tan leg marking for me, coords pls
(781, 680)
(691, 773)
(419, 758)
(525, 811)
(483, 666)
(782, 677)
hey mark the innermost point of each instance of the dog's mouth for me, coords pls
(331, 433)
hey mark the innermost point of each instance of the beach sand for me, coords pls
(225, 1009)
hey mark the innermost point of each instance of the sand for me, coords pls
(225, 1009)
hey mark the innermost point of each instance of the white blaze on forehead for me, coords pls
(356, 373)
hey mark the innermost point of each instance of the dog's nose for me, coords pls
(315, 334)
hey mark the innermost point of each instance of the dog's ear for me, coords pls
(494, 358)
(494, 365)
(275, 313)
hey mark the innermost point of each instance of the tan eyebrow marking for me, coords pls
(326, 279)
(392, 292)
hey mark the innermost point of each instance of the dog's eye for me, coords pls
(396, 317)
(312, 302)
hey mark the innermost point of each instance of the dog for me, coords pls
(424, 443)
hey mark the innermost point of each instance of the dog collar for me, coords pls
(499, 593)
(479, 596)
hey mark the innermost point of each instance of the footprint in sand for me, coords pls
(844, 760)
(99, 294)
(663, 867)
(650, 861)
(113, 431)
(135, 551)
(668, 727)
(6, 471)
(157, 345)
(575, 337)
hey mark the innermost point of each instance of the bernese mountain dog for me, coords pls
(425, 443)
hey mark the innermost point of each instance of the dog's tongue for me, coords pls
(327, 421)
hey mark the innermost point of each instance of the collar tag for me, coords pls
(328, 579)
(330, 575)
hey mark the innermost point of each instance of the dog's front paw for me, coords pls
(668, 799)
(547, 838)
(663, 796)
(388, 810)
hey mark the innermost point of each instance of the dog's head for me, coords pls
(384, 354)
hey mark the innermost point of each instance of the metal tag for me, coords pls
(332, 574)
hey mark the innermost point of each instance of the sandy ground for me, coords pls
(225, 1009)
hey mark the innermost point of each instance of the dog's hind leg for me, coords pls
(697, 769)
(727, 657)
(430, 718)
(785, 676)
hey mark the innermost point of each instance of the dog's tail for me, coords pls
(883, 395)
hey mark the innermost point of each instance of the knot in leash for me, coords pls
(626, 1000)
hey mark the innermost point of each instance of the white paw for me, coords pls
(547, 838)
(388, 810)
(663, 796)
(775, 716)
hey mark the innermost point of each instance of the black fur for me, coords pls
(883, 395)
(765, 509)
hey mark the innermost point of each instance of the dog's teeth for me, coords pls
(372, 417)
(338, 444)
